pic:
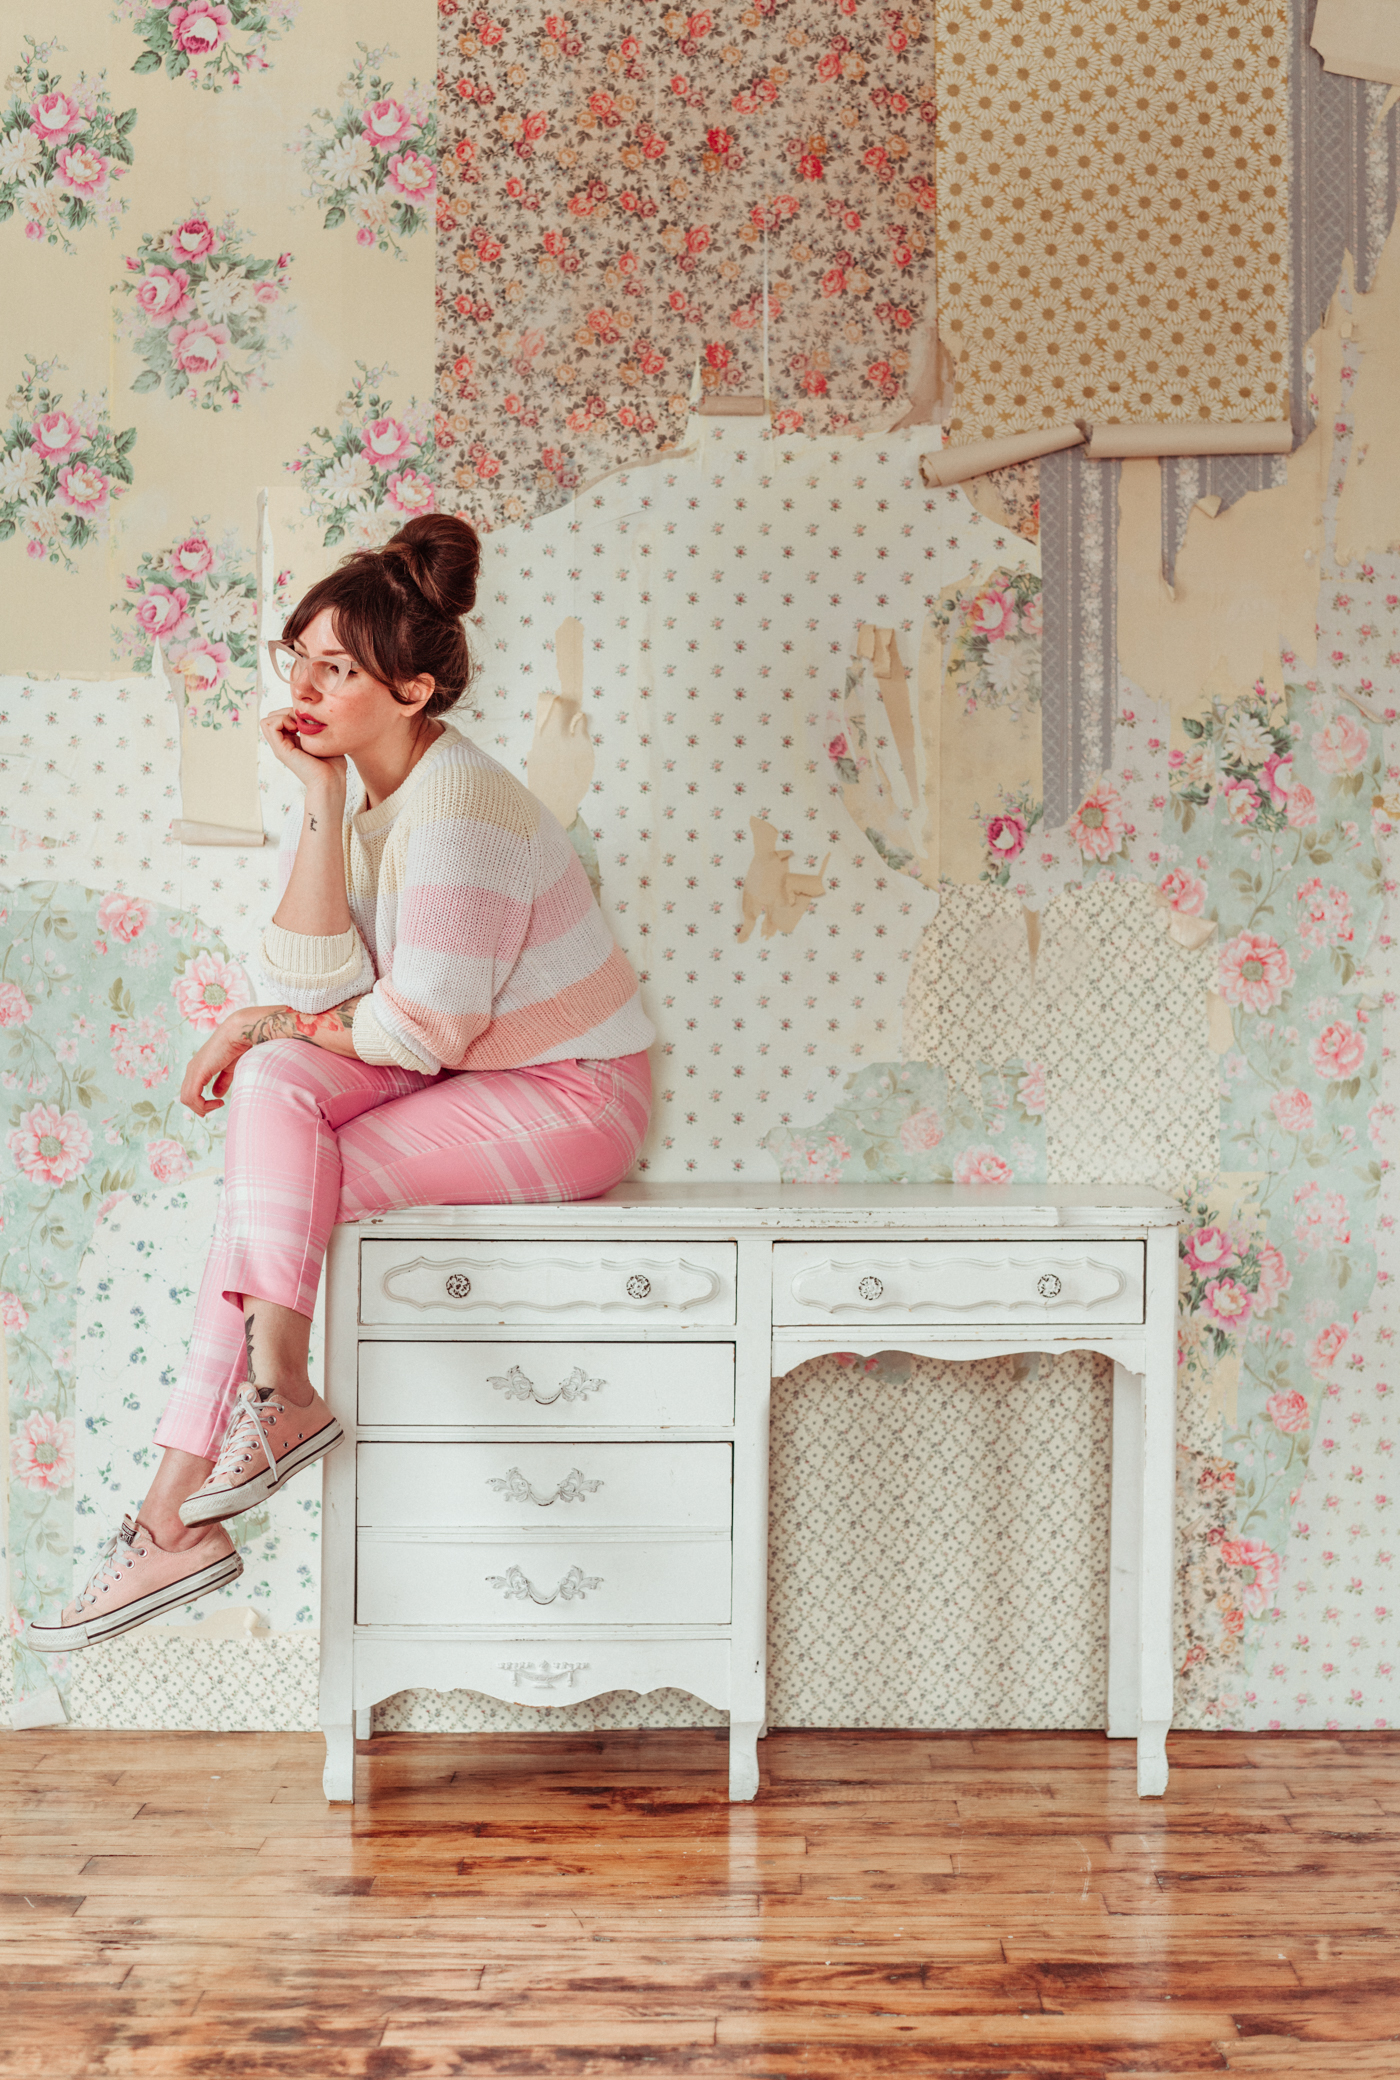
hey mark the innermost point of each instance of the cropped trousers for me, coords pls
(315, 1138)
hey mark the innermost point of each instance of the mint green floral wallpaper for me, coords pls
(135, 1291)
(1273, 1288)
(100, 997)
(902, 1120)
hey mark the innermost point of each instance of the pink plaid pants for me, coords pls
(315, 1138)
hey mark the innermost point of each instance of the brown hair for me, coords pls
(398, 610)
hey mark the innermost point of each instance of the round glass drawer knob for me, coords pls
(639, 1286)
(871, 1288)
(1048, 1287)
(458, 1285)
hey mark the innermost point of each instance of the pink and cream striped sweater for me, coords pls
(476, 941)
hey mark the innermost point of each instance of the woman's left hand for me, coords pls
(213, 1066)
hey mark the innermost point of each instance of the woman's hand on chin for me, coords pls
(280, 732)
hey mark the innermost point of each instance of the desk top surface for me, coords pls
(739, 1207)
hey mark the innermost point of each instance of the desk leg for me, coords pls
(337, 1713)
(1125, 1556)
(743, 1759)
(1156, 1578)
(338, 1778)
(748, 1652)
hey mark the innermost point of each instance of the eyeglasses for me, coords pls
(325, 673)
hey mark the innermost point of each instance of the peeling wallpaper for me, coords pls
(932, 861)
(1113, 211)
(733, 199)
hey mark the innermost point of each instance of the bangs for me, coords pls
(397, 611)
(356, 621)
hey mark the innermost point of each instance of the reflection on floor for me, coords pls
(998, 1905)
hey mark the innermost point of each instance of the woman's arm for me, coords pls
(314, 901)
(213, 1066)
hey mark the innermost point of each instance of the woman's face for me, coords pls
(335, 721)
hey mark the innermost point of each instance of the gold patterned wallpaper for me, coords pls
(1112, 219)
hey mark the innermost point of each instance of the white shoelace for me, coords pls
(109, 1566)
(247, 1434)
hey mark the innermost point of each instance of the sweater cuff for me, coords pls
(301, 961)
(374, 1043)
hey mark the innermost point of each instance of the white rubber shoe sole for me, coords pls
(213, 1506)
(90, 1632)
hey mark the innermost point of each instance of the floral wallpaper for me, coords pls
(61, 468)
(902, 1119)
(198, 600)
(1285, 825)
(63, 151)
(99, 998)
(734, 197)
(211, 44)
(370, 163)
(205, 316)
(360, 478)
(132, 1317)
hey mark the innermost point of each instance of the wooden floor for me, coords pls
(995, 1907)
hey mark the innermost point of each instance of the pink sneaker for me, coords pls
(135, 1580)
(267, 1441)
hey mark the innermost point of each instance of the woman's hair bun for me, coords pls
(440, 554)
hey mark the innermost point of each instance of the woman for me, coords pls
(456, 1027)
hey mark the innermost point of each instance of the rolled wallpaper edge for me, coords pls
(943, 466)
(1234, 437)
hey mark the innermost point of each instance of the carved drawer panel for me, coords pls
(560, 1487)
(562, 1669)
(509, 1579)
(479, 1282)
(974, 1282)
(545, 1386)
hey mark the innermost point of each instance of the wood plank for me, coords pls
(893, 1906)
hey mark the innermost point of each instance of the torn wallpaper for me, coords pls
(737, 197)
(930, 865)
(1112, 218)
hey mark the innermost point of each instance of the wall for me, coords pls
(815, 809)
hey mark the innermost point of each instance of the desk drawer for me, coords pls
(432, 1578)
(564, 1487)
(548, 1386)
(479, 1282)
(978, 1282)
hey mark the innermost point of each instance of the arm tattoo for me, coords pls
(312, 821)
(303, 1025)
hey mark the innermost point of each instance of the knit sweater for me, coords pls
(476, 942)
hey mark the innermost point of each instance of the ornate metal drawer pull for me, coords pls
(871, 1288)
(639, 1286)
(516, 1386)
(458, 1285)
(573, 1488)
(1048, 1287)
(516, 1583)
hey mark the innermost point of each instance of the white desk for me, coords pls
(555, 1479)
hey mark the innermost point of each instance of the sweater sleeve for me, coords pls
(464, 887)
(305, 971)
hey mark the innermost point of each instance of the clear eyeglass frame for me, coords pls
(326, 673)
